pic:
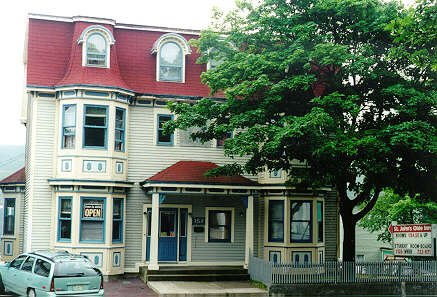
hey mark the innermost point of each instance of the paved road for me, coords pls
(128, 287)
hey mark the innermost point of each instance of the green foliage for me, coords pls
(392, 207)
(336, 86)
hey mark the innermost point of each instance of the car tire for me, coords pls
(31, 293)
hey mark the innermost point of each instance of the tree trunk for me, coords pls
(348, 237)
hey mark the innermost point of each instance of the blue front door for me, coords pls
(168, 235)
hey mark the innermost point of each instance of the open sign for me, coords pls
(92, 211)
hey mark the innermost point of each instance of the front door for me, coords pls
(168, 235)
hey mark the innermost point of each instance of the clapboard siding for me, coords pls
(145, 159)
(42, 168)
(331, 226)
(258, 227)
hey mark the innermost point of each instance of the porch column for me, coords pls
(153, 260)
(249, 230)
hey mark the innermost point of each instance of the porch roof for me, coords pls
(17, 177)
(193, 173)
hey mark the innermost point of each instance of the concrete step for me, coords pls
(197, 270)
(209, 277)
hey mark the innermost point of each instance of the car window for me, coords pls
(18, 261)
(75, 267)
(42, 268)
(28, 264)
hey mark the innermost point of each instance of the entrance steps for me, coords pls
(197, 274)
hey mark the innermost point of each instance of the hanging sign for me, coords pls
(92, 211)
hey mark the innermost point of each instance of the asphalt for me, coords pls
(128, 287)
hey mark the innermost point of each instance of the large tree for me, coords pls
(314, 84)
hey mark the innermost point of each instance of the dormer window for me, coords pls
(96, 50)
(171, 49)
(96, 45)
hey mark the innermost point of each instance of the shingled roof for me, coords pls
(15, 178)
(193, 172)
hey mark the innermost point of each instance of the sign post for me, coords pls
(411, 240)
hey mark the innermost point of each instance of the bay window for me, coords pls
(64, 218)
(301, 221)
(92, 220)
(276, 221)
(68, 126)
(95, 126)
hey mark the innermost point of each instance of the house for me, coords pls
(103, 180)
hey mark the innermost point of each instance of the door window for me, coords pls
(168, 224)
(18, 261)
(28, 264)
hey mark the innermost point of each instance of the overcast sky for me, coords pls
(188, 14)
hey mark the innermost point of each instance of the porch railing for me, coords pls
(342, 272)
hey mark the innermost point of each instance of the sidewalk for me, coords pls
(128, 287)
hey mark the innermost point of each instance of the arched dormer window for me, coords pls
(96, 44)
(171, 49)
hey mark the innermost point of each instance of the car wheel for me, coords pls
(31, 293)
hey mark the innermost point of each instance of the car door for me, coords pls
(25, 276)
(41, 277)
(10, 276)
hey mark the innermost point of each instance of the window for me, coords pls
(64, 219)
(9, 216)
(171, 62)
(219, 225)
(319, 221)
(95, 126)
(221, 142)
(96, 50)
(68, 126)
(302, 258)
(120, 121)
(42, 268)
(117, 220)
(92, 220)
(28, 264)
(164, 139)
(301, 226)
(276, 220)
(276, 173)
(18, 261)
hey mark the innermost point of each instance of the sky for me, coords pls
(187, 14)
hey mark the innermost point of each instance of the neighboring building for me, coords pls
(103, 180)
(12, 233)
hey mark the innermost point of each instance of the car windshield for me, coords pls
(75, 267)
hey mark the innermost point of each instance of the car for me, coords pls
(51, 273)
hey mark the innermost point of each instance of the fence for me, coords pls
(342, 272)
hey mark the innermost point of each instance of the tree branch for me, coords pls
(358, 216)
(361, 197)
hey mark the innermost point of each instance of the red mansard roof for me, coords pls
(15, 178)
(54, 58)
(194, 172)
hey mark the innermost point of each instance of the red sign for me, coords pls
(409, 228)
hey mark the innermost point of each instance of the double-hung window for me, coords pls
(120, 124)
(163, 138)
(64, 218)
(92, 222)
(68, 126)
(219, 225)
(9, 216)
(96, 53)
(171, 62)
(301, 221)
(319, 221)
(276, 220)
(95, 126)
(117, 220)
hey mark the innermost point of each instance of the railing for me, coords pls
(342, 272)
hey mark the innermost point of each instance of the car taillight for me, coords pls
(52, 285)
(101, 282)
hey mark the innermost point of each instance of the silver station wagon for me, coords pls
(51, 273)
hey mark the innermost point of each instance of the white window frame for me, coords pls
(181, 42)
(106, 34)
(232, 210)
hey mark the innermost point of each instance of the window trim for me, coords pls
(322, 239)
(5, 216)
(270, 202)
(103, 220)
(86, 126)
(122, 130)
(207, 210)
(310, 240)
(171, 142)
(60, 198)
(121, 220)
(63, 126)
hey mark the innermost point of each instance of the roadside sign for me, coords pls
(411, 240)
